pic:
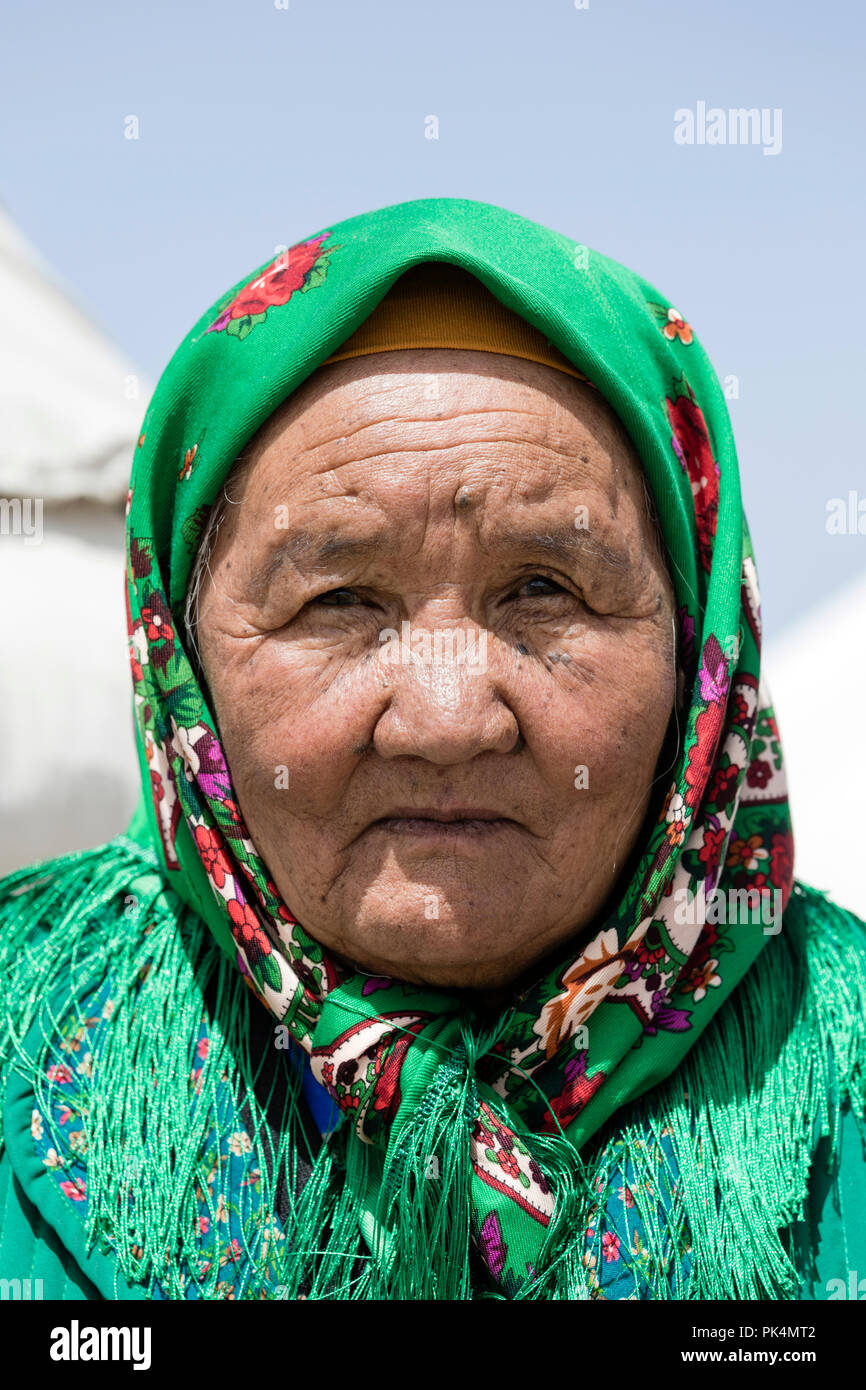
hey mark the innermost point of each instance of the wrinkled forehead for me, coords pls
(428, 384)
(423, 427)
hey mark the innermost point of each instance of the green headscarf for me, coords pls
(499, 1104)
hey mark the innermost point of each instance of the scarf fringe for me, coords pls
(742, 1114)
(149, 1125)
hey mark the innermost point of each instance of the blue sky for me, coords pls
(259, 125)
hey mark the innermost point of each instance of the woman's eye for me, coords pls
(337, 598)
(538, 586)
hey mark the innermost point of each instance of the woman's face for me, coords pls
(438, 636)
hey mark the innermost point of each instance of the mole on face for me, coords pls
(464, 498)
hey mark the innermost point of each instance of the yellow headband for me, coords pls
(442, 305)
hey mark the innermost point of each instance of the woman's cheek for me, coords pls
(601, 712)
(634, 711)
(293, 723)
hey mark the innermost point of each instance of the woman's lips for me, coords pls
(438, 825)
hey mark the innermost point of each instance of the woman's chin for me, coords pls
(464, 947)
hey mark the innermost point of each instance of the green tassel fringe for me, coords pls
(743, 1113)
(745, 1110)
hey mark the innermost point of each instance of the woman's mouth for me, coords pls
(424, 823)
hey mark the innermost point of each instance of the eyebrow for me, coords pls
(317, 552)
(570, 543)
(300, 545)
(567, 543)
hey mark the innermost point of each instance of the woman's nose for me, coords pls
(445, 705)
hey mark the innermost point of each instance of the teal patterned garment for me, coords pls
(616, 1244)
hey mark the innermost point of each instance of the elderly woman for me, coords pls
(455, 949)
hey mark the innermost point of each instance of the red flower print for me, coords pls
(723, 787)
(59, 1073)
(610, 1247)
(710, 851)
(482, 1135)
(212, 855)
(276, 285)
(759, 773)
(782, 859)
(691, 442)
(508, 1163)
(389, 1064)
(75, 1190)
(248, 931)
(739, 709)
(157, 620)
(649, 949)
(575, 1094)
(707, 727)
(282, 910)
(328, 1073)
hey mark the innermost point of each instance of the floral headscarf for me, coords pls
(603, 1025)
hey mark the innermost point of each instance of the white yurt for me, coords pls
(817, 675)
(70, 410)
